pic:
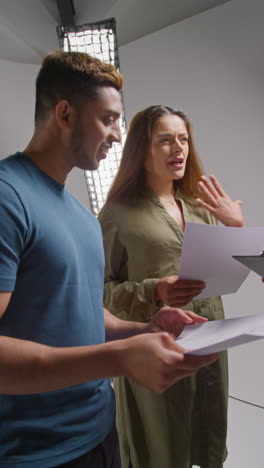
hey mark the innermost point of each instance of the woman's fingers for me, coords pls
(217, 185)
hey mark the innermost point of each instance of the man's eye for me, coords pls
(109, 120)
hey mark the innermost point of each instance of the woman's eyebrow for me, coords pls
(162, 134)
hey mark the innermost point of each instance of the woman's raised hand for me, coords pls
(219, 203)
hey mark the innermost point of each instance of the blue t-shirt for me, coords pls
(51, 257)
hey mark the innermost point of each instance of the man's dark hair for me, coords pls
(74, 76)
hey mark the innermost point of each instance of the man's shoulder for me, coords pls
(8, 161)
(8, 173)
(8, 168)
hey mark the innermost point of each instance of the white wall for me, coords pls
(17, 98)
(212, 67)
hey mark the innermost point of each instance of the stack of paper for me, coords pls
(212, 337)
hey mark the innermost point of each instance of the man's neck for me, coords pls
(48, 157)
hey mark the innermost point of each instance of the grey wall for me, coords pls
(211, 66)
(17, 105)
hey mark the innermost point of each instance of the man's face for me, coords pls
(96, 128)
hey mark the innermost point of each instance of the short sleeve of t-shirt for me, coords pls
(13, 234)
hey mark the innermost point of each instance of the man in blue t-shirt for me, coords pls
(58, 346)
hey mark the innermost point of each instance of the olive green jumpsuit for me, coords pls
(187, 424)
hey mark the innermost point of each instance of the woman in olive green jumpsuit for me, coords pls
(154, 194)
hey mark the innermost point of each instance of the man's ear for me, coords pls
(65, 114)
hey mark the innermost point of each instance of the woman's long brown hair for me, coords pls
(130, 179)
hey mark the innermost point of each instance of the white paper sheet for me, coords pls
(216, 336)
(207, 255)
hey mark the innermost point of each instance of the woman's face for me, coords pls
(168, 150)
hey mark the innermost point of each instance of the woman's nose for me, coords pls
(177, 145)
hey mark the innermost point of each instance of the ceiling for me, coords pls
(28, 27)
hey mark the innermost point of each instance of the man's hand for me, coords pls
(156, 361)
(219, 203)
(176, 292)
(173, 320)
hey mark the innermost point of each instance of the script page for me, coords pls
(207, 254)
(218, 335)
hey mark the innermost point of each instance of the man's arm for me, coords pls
(168, 319)
(4, 301)
(153, 360)
(117, 329)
